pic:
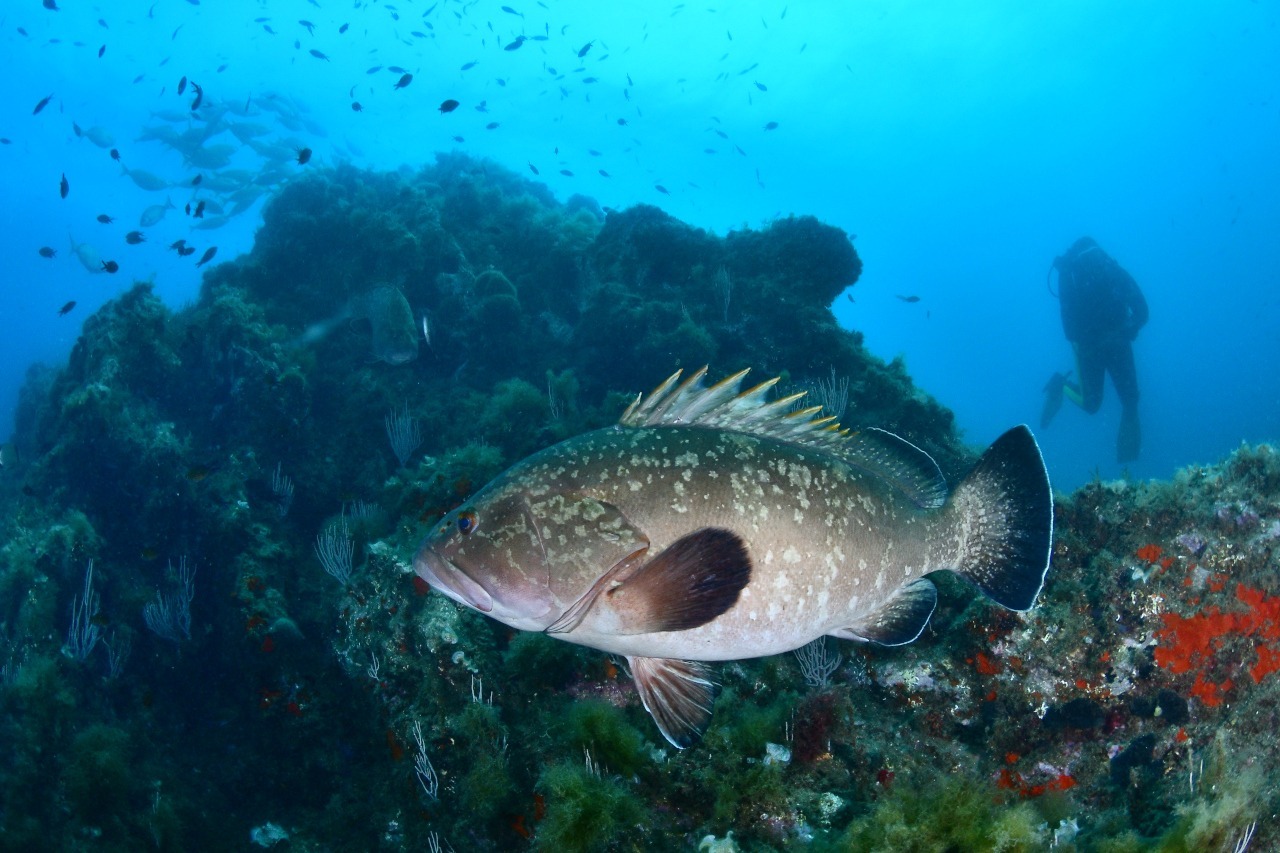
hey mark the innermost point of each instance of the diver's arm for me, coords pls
(1137, 304)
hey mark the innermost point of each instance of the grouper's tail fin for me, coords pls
(1002, 514)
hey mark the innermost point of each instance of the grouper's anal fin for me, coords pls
(678, 694)
(900, 621)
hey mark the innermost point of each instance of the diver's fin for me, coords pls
(900, 621)
(694, 580)
(1002, 513)
(678, 694)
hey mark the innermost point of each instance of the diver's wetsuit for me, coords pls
(1102, 312)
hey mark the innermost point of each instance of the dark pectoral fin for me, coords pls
(694, 580)
(900, 620)
(678, 694)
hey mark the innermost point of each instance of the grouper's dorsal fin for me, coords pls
(897, 460)
(724, 406)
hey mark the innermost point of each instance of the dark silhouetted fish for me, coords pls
(773, 125)
(207, 256)
(133, 238)
(318, 54)
(63, 186)
(66, 309)
(105, 219)
(586, 47)
(110, 266)
(48, 252)
(405, 80)
(448, 106)
(182, 85)
(912, 298)
(394, 333)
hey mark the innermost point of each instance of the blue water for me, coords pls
(965, 145)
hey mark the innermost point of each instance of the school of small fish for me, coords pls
(236, 146)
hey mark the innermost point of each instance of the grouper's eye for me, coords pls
(466, 523)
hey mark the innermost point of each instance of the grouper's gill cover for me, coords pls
(713, 525)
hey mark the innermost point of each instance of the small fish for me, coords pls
(311, 28)
(186, 250)
(110, 266)
(304, 156)
(515, 45)
(342, 29)
(374, 70)
(42, 104)
(762, 87)
(133, 238)
(63, 186)
(566, 173)
(660, 188)
(207, 256)
(773, 125)
(182, 85)
(199, 211)
(66, 309)
(491, 125)
(178, 245)
(534, 169)
(115, 154)
(318, 54)
(511, 11)
(912, 298)
(586, 47)
(713, 524)
(405, 80)
(47, 252)
(199, 99)
(51, 5)
(468, 66)
(603, 173)
(355, 107)
(448, 106)
(396, 69)
(622, 122)
(101, 51)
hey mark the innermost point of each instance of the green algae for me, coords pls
(161, 436)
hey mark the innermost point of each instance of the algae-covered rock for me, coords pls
(235, 430)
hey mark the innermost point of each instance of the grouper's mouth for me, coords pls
(452, 581)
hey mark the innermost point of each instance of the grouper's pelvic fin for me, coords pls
(678, 694)
(1002, 516)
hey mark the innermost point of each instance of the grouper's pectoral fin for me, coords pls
(678, 694)
(900, 620)
(695, 579)
(691, 582)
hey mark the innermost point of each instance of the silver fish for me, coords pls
(154, 213)
(145, 180)
(715, 525)
(87, 255)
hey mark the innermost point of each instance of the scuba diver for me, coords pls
(1102, 312)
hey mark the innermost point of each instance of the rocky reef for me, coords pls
(248, 478)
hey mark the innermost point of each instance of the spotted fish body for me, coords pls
(711, 525)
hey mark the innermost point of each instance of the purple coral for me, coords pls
(1193, 542)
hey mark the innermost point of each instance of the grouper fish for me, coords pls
(711, 524)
